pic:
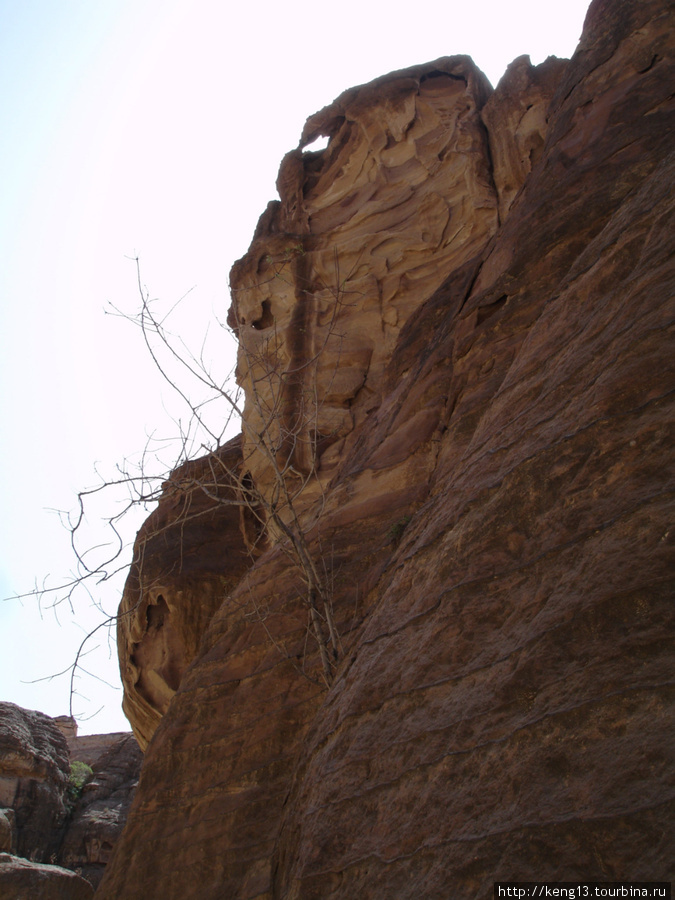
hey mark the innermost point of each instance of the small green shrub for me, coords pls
(80, 773)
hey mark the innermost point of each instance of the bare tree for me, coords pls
(281, 427)
(282, 434)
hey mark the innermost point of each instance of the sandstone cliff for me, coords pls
(463, 313)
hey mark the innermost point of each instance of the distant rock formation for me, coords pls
(100, 813)
(479, 287)
(34, 778)
(44, 821)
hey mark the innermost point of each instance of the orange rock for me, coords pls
(364, 232)
(516, 118)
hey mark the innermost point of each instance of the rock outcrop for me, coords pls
(44, 819)
(464, 307)
(516, 118)
(92, 748)
(190, 546)
(7, 830)
(101, 812)
(34, 773)
(365, 230)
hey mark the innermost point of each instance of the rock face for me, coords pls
(90, 748)
(100, 814)
(34, 772)
(490, 487)
(364, 232)
(191, 546)
(7, 830)
(24, 880)
(516, 118)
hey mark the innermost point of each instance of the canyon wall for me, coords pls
(58, 826)
(457, 325)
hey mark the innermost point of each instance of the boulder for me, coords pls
(24, 880)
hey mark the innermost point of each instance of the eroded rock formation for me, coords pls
(43, 819)
(189, 554)
(365, 230)
(479, 291)
(101, 812)
(34, 773)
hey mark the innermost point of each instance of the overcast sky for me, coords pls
(154, 128)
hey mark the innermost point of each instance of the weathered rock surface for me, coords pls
(188, 556)
(43, 820)
(7, 830)
(101, 811)
(24, 880)
(494, 443)
(516, 118)
(34, 772)
(91, 748)
(365, 230)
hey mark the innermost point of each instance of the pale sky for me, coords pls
(154, 128)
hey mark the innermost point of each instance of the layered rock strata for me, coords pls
(364, 231)
(492, 493)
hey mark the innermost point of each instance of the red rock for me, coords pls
(516, 118)
(499, 518)
(7, 830)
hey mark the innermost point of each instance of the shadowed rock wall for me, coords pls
(497, 499)
(100, 813)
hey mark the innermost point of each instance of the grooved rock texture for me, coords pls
(34, 772)
(24, 880)
(494, 469)
(365, 230)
